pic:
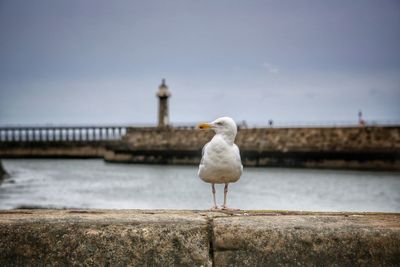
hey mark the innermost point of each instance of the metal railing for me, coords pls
(61, 133)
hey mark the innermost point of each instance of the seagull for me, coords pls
(220, 161)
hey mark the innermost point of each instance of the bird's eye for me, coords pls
(220, 123)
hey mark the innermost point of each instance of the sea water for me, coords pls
(93, 183)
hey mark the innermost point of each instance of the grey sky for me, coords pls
(102, 61)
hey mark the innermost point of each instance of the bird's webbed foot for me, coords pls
(224, 207)
(214, 208)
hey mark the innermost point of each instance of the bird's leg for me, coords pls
(225, 193)
(215, 207)
(225, 207)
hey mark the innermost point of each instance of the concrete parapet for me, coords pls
(197, 238)
(114, 238)
(307, 240)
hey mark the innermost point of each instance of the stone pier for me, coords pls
(363, 148)
(197, 238)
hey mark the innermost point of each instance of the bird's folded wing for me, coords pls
(202, 153)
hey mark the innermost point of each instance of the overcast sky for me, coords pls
(92, 62)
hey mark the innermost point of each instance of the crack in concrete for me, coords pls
(211, 239)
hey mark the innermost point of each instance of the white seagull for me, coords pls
(220, 162)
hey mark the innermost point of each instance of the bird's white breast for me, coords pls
(221, 162)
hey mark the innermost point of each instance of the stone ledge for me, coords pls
(197, 238)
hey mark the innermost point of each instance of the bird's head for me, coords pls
(224, 125)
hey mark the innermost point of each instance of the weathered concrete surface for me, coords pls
(197, 238)
(113, 238)
(307, 240)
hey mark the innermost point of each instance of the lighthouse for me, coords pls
(163, 94)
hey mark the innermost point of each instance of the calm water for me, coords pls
(96, 184)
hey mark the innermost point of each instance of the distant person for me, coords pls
(271, 123)
(361, 121)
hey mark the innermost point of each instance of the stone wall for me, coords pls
(197, 238)
(65, 149)
(272, 139)
(376, 148)
(357, 147)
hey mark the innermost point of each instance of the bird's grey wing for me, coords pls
(202, 153)
(236, 148)
(237, 151)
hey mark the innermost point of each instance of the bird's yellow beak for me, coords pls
(204, 126)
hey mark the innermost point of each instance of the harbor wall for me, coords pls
(272, 139)
(351, 147)
(374, 148)
(197, 238)
(58, 149)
